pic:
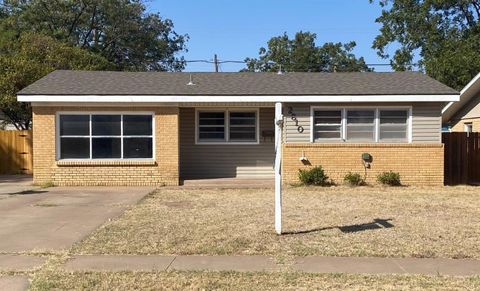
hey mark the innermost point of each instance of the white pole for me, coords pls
(278, 167)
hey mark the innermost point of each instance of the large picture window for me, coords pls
(360, 124)
(105, 136)
(227, 126)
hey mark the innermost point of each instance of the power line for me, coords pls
(218, 62)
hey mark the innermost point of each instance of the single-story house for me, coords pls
(153, 128)
(464, 115)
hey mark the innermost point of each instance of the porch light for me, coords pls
(303, 158)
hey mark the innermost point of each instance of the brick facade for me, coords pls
(418, 164)
(163, 171)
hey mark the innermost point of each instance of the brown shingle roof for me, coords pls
(226, 84)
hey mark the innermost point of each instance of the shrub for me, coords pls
(389, 178)
(354, 179)
(314, 176)
(47, 184)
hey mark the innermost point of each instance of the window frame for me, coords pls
(91, 137)
(407, 127)
(227, 111)
(342, 120)
(376, 110)
(376, 124)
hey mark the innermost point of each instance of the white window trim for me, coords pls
(312, 122)
(90, 113)
(227, 126)
(377, 123)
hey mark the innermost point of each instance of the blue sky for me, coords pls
(235, 29)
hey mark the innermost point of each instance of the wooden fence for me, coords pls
(16, 152)
(462, 158)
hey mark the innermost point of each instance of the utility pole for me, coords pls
(215, 61)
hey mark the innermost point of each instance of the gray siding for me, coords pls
(223, 161)
(426, 121)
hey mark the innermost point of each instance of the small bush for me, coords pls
(47, 184)
(389, 178)
(315, 176)
(354, 179)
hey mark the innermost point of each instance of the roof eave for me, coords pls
(467, 93)
(235, 98)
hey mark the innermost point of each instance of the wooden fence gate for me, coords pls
(16, 152)
(462, 158)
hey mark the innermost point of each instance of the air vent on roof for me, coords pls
(190, 83)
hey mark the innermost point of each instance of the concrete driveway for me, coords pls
(15, 184)
(55, 218)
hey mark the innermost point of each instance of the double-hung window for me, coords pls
(360, 124)
(105, 136)
(211, 126)
(227, 126)
(242, 126)
(328, 124)
(393, 125)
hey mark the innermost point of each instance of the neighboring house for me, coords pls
(464, 115)
(154, 128)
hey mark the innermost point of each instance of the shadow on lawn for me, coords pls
(376, 224)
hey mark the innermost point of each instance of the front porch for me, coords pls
(225, 142)
(230, 183)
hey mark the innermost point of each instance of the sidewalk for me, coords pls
(349, 265)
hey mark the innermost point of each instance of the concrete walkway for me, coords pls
(349, 265)
(14, 283)
(19, 263)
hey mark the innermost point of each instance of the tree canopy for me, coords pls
(445, 34)
(301, 54)
(119, 30)
(28, 59)
(39, 36)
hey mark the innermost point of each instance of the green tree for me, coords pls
(29, 58)
(119, 30)
(445, 34)
(301, 54)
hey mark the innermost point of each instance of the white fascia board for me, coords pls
(306, 99)
(451, 108)
(470, 84)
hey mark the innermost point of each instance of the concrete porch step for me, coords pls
(244, 172)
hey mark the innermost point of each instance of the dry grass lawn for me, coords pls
(337, 221)
(244, 281)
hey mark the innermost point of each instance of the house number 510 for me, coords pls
(293, 117)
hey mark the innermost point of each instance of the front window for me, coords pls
(211, 126)
(227, 126)
(360, 124)
(328, 124)
(242, 126)
(393, 125)
(105, 136)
